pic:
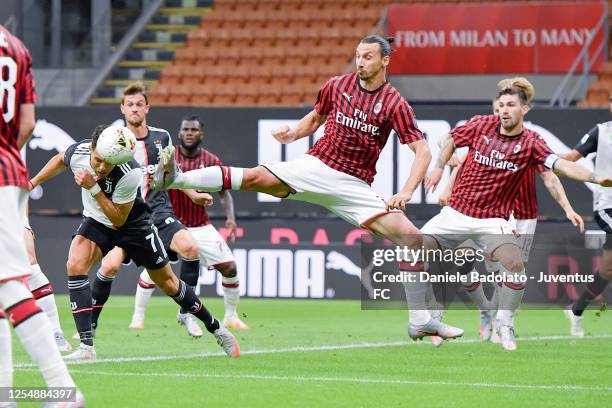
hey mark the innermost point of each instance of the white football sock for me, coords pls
(44, 296)
(6, 354)
(144, 290)
(416, 291)
(231, 294)
(208, 179)
(510, 297)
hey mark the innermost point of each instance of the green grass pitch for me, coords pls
(331, 353)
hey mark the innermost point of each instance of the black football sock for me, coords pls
(80, 303)
(187, 299)
(100, 291)
(190, 273)
(592, 290)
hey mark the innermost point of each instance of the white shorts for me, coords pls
(526, 230)
(212, 247)
(450, 228)
(14, 258)
(348, 197)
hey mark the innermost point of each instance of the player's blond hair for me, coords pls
(518, 82)
(136, 88)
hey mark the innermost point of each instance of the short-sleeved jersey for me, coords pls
(189, 213)
(496, 167)
(147, 156)
(16, 88)
(121, 186)
(359, 123)
(599, 141)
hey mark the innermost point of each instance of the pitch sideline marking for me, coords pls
(343, 379)
(307, 349)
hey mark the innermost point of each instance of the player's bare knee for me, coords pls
(76, 267)
(109, 269)
(252, 178)
(228, 269)
(190, 251)
(514, 265)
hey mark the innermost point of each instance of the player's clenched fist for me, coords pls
(283, 134)
(84, 179)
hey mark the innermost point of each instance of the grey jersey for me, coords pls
(121, 186)
(599, 141)
(147, 151)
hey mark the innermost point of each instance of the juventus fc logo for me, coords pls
(108, 186)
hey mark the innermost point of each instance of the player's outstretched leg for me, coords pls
(6, 353)
(144, 290)
(186, 298)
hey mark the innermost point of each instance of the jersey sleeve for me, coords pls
(214, 160)
(405, 125)
(543, 157)
(127, 187)
(28, 94)
(68, 153)
(323, 105)
(588, 143)
(463, 135)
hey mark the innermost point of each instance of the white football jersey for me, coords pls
(122, 185)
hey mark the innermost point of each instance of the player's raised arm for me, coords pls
(575, 171)
(305, 127)
(556, 190)
(53, 167)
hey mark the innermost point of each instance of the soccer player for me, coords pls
(115, 215)
(360, 110)
(214, 252)
(502, 153)
(524, 212)
(599, 141)
(178, 241)
(17, 305)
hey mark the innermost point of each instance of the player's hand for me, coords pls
(444, 196)
(453, 161)
(203, 199)
(432, 179)
(575, 219)
(231, 225)
(282, 134)
(84, 179)
(398, 201)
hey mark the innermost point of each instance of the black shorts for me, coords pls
(141, 243)
(604, 220)
(166, 227)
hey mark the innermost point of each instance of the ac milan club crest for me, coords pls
(517, 148)
(377, 108)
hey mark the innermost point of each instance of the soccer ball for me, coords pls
(116, 145)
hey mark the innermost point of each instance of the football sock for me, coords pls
(6, 353)
(80, 303)
(231, 294)
(187, 299)
(510, 297)
(592, 290)
(144, 290)
(190, 273)
(100, 291)
(42, 291)
(213, 178)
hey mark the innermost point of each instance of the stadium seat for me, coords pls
(248, 94)
(202, 95)
(172, 75)
(205, 56)
(185, 56)
(193, 74)
(269, 95)
(225, 94)
(158, 95)
(199, 37)
(214, 74)
(179, 95)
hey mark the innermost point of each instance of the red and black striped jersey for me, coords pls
(496, 167)
(189, 213)
(16, 88)
(359, 123)
(526, 203)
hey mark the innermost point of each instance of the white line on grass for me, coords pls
(340, 379)
(299, 349)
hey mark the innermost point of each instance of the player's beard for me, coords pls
(136, 124)
(191, 147)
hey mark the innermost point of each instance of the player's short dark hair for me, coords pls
(385, 43)
(96, 134)
(136, 88)
(514, 90)
(192, 118)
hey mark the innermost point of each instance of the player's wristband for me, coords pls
(94, 190)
